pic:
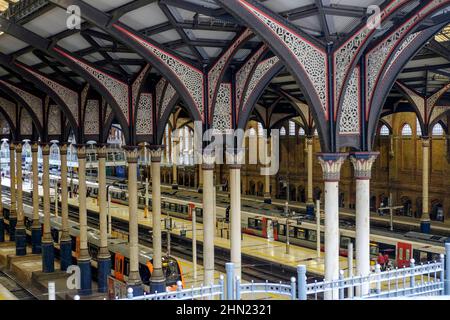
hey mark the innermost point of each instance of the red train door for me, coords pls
(119, 265)
(404, 254)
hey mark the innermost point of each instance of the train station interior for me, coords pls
(224, 149)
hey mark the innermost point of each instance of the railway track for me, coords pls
(14, 286)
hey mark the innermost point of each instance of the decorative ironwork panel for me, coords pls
(26, 124)
(159, 93)
(419, 102)
(91, 119)
(54, 120)
(136, 86)
(191, 77)
(144, 119)
(349, 121)
(311, 59)
(402, 48)
(222, 110)
(218, 68)
(69, 97)
(33, 102)
(243, 74)
(168, 95)
(10, 109)
(83, 96)
(4, 126)
(117, 89)
(260, 71)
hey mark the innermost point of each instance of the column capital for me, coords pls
(156, 152)
(235, 157)
(132, 153)
(362, 163)
(18, 147)
(81, 151)
(209, 160)
(101, 150)
(309, 140)
(63, 149)
(426, 141)
(12, 146)
(35, 147)
(331, 165)
(45, 149)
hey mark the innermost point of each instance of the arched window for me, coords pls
(418, 128)
(406, 130)
(291, 128)
(384, 130)
(301, 131)
(438, 130)
(282, 131)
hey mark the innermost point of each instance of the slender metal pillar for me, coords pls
(104, 258)
(134, 279)
(157, 281)
(12, 177)
(310, 201)
(267, 195)
(84, 259)
(21, 235)
(331, 165)
(36, 228)
(234, 162)
(65, 244)
(48, 253)
(176, 150)
(200, 179)
(362, 163)
(2, 222)
(208, 218)
(425, 222)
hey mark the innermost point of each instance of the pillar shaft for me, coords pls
(157, 281)
(200, 177)
(235, 225)
(2, 223)
(65, 242)
(208, 220)
(36, 230)
(331, 166)
(309, 145)
(362, 163)
(175, 161)
(21, 236)
(425, 221)
(134, 278)
(48, 255)
(12, 177)
(101, 152)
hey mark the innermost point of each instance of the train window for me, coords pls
(282, 229)
(374, 249)
(408, 256)
(322, 237)
(291, 231)
(198, 212)
(400, 254)
(144, 273)
(344, 242)
(312, 235)
(301, 233)
(251, 223)
(126, 269)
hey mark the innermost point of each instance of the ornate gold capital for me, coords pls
(132, 153)
(426, 142)
(362, 163)
(155, 154)
(35, 147)
(81, 151)
(19, 148)
(208, 161)
(101, 151)
(45, 149)
(331, 165)
(63, 149)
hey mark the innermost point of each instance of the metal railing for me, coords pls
(425, 279)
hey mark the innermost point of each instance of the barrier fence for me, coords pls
(421, 280)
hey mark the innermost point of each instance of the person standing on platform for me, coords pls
(386, 260)
(380, 261)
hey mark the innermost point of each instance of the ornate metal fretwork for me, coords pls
(159, 94)
(260, 71)
(168, 96)
(222, 110)
(26, 124)
(191, 78)
(33, 102)
(310, 58)
(117, 89)
(144, 120)
(69, 97)
(54, 120)
(217, 70)
(91, 119)
(136, 86)
(349, 121)
(243, 74)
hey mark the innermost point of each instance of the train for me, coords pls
(268, 221)
(118, 249)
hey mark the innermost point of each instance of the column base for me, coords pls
(21, 241)
(174, 186)
(310, 209)
(36, 235)
(138, 289)
(104, 270)
(48, 257)
(65, 254)
(157, 281)
(425, 226)
(12, 228)
(2, 230)
(86, 277)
